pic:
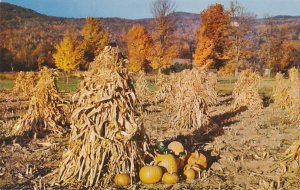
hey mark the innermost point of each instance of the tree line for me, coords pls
(227, 40)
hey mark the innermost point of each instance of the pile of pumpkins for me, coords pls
(172, 159)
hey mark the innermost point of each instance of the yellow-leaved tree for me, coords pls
(68, 55)
(138, 44)
(95, 38)
(213, 37)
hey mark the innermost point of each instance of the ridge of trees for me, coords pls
(28, 42)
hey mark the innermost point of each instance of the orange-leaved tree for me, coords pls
(164, 47)
(212, 37)
(161, 56)
(138, 45)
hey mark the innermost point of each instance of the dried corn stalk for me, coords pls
(294, 94)
(45, 113)
(164, 84)
(142, 90)
(293, 152)
(206, 86)
(286, 93)
(105, 138)
(280, 92)
(189, 103)
(24, 84)
(245, 92)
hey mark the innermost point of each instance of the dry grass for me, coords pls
(24, 84)
(106, 137)
(45, 113)
(245, 92)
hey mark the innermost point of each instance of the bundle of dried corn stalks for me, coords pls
(286, 93)
(164, 85)
(294, 94)
(189, 102)
(280, 91)
(245, 92)
(208, 88)
(45, 113)
(24, 84)
(142, 90)
(105, 138)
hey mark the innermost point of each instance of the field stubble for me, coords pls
(245, 148)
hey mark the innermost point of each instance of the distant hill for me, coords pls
(10, 12)
(13, 16)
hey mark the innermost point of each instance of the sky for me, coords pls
(134, 9)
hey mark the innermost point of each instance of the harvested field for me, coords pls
(245, 149)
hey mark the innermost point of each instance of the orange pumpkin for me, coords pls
(150, 174)
(122, 180)
(197, 159)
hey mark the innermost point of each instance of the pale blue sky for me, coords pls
(141, 8)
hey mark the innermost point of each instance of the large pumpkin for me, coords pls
(167, 161)
(176, 147)
(122, 180)
(150, 174)
(170, 178)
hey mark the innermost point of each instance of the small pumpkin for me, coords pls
(176, 147)
(170, 178)
(189, 174)
(167, 161)
(122, 180)
(197, 159)
(150, 174)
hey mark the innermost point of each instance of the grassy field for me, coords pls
(225, 84)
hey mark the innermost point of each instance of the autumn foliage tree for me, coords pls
(95, 38)
(242, 37)
(275, 51)
(138, 45)
(68, 55)
(212, 37)
(164, 48)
